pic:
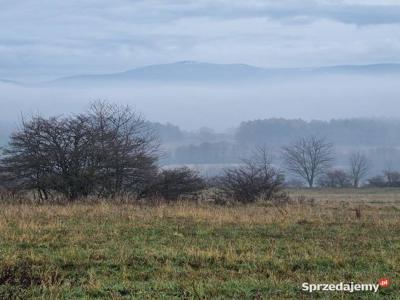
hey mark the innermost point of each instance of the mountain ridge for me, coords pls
(203, 72)
(210, 72)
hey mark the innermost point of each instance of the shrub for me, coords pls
(335, 179)
(173, 184)
(255, 179)
(388, 179)
(377, 181)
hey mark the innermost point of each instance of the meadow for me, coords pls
(102, 250)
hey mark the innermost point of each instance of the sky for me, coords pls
(41, 40)
(53, 38)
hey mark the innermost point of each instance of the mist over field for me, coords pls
(207, 107)
(192, 105)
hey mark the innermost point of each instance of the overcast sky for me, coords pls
(57, 37)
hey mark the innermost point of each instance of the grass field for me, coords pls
(189, 251)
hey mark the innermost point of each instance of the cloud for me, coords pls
(55, 38)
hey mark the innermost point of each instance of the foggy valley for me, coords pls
(207, 106)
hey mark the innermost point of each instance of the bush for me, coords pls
(388, 179)
(335, 179)
(377, 181)
(255, 179)
(392, 178)
(173, 184)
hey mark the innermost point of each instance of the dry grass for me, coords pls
(40, 216)
(109, 251)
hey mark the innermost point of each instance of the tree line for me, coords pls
(379, 138)
(110, 150)
(342, 132)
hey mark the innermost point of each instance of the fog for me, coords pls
(223, 106)
(218, 106)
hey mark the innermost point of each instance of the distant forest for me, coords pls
(348, 132)
(378, 138)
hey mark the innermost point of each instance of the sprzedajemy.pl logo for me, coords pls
(345, 287)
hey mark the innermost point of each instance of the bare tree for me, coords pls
(359, 167)
(308, 158)
(107, 151)
(125, 148)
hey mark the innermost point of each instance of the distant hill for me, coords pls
(180, 71)
(198, 72)
(189, 71)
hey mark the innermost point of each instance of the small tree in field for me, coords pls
(359, 167)
(308, 158)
